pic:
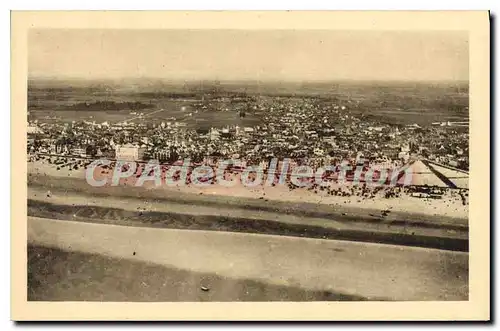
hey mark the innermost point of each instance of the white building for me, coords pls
(32, 129)
(214, 134)
(405, 156)
(248, 129)
(79, 152)
(129, 152)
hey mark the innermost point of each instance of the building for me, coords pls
(225, 133)
(214, 134)
(78, 152)
(129, 152)
(404, 156)
(33, 129)
(405, 148)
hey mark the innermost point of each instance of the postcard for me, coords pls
(250, 165)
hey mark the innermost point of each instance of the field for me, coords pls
(395, 103)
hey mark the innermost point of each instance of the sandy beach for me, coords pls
(142, 283)
(395, 273)
(450, 206)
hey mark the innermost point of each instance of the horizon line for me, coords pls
(215, 80)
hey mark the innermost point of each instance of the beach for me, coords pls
(300, 267)
(449, 206)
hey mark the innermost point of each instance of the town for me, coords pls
(310, 131)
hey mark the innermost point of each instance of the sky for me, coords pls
(285, 55)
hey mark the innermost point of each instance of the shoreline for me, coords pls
(147, 213)
(45, 174)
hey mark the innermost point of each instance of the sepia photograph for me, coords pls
(234, 164)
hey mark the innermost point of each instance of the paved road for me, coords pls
(372, 271)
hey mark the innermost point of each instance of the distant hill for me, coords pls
(186, 88)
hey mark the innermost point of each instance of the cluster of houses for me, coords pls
(305, 129)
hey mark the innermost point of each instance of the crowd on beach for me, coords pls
(360, 191)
